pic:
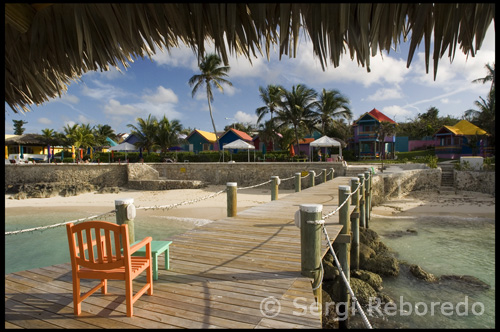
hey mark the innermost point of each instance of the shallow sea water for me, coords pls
(36, 249)
(442, 245)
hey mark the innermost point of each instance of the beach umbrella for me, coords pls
(21, 150)
(48, 153)
(91, 152)
(62, 155)
(292, 151)
(73, 153)
(6, 152)
(81, 153)
(140, 153)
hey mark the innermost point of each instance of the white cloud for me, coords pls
(162, 96)
(385, 94)
(397, 113)
(181, 56)
(243, 117)
(103, 91)
(45, 121)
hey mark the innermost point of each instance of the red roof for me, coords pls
(244, 136)
(381, 117)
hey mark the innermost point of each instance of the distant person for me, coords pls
(319, 155)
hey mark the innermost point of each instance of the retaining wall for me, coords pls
(115, 175)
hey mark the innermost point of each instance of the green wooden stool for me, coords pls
(157, 248)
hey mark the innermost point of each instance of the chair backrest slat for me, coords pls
(90, 247)
(105, 236)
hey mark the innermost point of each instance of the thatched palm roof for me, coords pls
(49, 45)
(32, 139)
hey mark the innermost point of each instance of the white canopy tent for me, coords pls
(325, 142)
(125, 146)
(240, 144)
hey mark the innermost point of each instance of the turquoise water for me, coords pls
(49, 247)
(442, 246)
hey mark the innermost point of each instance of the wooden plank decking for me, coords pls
(220, 276)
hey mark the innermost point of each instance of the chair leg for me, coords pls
(104, 289)
(149, 278)
(77, 303)
(129, 297)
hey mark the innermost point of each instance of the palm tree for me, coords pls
(101, 132)
(212, 74)
(146, 132)
(49, 135)
(297, 109)
(332, 104)
(271, 96)
(490, 77)
(80, 136)
(168, 133)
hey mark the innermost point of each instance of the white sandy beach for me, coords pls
(213, 208)
(464, 204)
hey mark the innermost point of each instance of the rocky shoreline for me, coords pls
(376, 261)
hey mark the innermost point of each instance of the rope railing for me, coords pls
(346, 282)
(156, 207)
(171, 206)
(345, 201)
(255, 186)
(42, 228)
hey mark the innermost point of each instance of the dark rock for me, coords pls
(468, 280)
(330, 270)
(383, 265)
(362, 290)
(419, 273)
(371, 278)
(108, 190)
(330, 318)
(365, 253)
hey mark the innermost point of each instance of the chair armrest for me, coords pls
(139, 245)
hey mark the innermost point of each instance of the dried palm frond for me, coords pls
(49, 45)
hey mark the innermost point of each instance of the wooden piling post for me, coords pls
(310, 244)
(362, 201)
(324, 175)
(275, 181)
(367, 198)
(312, 174)
(343, 252)
(297, 182)
(332, 173)
(355, 224)
(125, 214)
(232, 187)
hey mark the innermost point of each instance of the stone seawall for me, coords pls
(115, 175)
(391, 185)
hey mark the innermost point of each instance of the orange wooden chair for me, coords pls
(97, 252)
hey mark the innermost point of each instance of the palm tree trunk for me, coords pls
(213, 123)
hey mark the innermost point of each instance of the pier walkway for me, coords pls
(225, 274)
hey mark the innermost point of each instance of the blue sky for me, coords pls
(160, 87)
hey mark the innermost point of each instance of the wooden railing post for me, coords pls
(332, 173)
(310, 244)
(355, 224)
(362, 201)
(275, 181)
(367, 198)
(125, 214)
(297, 182)
(312, 174)
(232, 187)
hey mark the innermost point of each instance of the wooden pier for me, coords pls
(222, 275)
